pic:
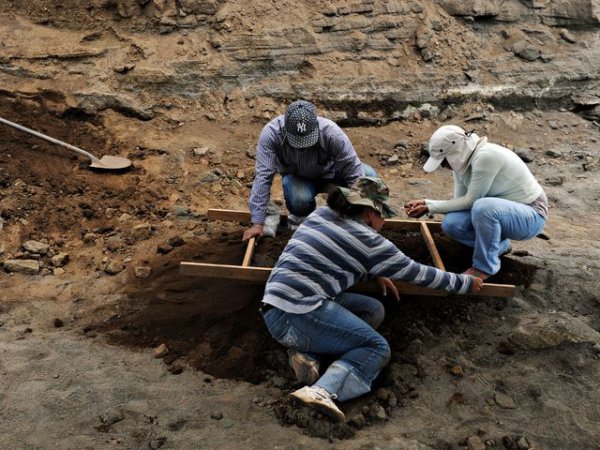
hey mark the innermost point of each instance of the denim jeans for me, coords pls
(300, 193)
(488, 227)
(344, 329)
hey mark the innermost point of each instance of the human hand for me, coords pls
(255, 230)
(386, 285)
(416, 208)
(476, 285)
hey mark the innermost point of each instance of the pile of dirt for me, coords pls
(214, 325)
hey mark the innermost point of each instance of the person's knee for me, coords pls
(377, 315)
(300, 206)
(482, 208)
(382, 350)
(451, 226)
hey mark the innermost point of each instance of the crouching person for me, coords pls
(307, 310)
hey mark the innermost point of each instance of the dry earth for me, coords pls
(105, 345)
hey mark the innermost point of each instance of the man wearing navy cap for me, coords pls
(309, 152)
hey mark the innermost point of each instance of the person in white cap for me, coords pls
(496, 197)
(311, 153)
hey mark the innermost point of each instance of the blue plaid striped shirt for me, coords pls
(340, 161)
(329, 253)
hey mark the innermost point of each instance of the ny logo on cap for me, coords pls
(301, 127)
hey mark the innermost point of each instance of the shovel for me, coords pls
(106, 162)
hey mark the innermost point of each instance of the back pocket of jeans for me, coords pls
(294, 338)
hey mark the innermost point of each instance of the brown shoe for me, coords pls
(318, 398)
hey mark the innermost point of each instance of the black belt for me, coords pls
(265, 307)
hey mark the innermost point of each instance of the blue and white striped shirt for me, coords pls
(341, 161)
(329, 253)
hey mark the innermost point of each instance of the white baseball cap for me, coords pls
(449, 142)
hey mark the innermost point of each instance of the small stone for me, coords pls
(26, 266)
(141, 232)
(125, 217)
(157, 443)
(89, 237)
(113, 267)
(164, 248)
(60, 260)
(36, 247)
(553, 153)
(522, 443)
(567, 36)
(382, 394)
(58, 323)
(377, 411)
(456, 370)
(554, 181)
(504, 401)
(358, 420)
(142, 271)
(217, 415)
(111, 416)
(392, 160)
(58, 272)
(201, 151)
(161, 351)
(506, 348)
(176, 241)
(475, 443)
(177, 367)
(524, 153)
(114, 243)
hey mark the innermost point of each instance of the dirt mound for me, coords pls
(214, 325)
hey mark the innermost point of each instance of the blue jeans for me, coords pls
(343, 328)
(300, 193)
(488, 226)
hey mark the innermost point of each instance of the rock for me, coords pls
(524, 153)
(142, 271)
(554, 181)
(157, 443)
(111, 416)
(456, 370)
(89, 237)
(553, 153)
(475, 443)
(176, 241)
(163, 249)
(522, 443)
(141, 232)
(58, 323)
(217, 415)
(537, 332)
(504, 401)
(525, 51)
(358, 420)
(382, 394)
(392, 160)
(567, 36)
(161, 351)
(26, 266)
(36, 247)
(114, 243)
(60, 260)
(125, 217)
(113, 267)
(201, 151)
(58, 272)
(376, 411)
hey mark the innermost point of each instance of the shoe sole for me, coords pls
(336, 416)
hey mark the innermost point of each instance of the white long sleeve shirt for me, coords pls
(494, 171)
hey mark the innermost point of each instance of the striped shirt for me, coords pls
(329, 253)
(334, 158)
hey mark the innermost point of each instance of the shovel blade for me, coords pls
(108, 162)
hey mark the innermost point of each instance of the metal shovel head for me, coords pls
(108, 162)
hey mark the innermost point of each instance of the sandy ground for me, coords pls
(109, 347)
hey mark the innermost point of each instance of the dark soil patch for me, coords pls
(215, 326)
(50, 189)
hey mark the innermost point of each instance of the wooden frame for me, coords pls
(248, 273)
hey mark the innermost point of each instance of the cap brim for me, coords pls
(305, 141)
(432, 163)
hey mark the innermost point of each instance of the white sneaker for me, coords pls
(318, 398)
(305, 368)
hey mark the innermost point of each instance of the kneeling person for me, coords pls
(306, 308)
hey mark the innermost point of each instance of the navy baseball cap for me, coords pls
(301, 124)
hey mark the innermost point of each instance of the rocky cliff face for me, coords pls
(364, 61)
